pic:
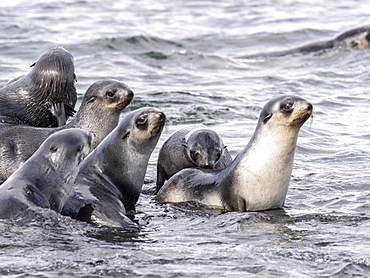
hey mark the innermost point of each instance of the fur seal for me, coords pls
(110, 179)
(259, 176)
(46, 179)
(193, 146)
(45, 97)
(99, 112)
(358, 38)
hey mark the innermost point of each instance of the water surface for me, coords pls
(179, 56)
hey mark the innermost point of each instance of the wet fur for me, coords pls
(45, 97)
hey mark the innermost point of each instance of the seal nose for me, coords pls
(161, 116)
(309, 107)
(130, 94)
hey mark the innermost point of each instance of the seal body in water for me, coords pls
(99, 112)
(358, 38)
(46, 179)
(45, 97)
(259, 176)
(193, 146)
(110, 179)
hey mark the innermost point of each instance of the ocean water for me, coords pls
(179, 56)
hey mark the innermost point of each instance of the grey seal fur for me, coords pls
(192, 146)
(46, 179)
(45, 97)
(110, 179)
(358, 38)
(99, 112)
(259, 176)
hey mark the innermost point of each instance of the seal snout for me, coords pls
(161, 117)
(309, 107)
(303, 113)
(130, 94)
(157, 122)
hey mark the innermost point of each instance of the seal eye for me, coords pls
(288, 107)
(111, 93)
(142, 120)
(194, 155)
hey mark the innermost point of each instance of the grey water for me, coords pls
(179, 56)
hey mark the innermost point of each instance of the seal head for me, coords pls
(46, 179)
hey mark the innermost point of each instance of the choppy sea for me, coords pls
(179, 56)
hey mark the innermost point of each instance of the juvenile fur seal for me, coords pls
(358, 38)
(45, 97)
(99, 112)
(110, 179)
(46, 179)
(259, 176)
(193, 146)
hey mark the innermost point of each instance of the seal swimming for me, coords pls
(99, 112)
(110, 179)
(259, 176)
(46, 179)
(358, 38)
(192, 146)
(45, 97)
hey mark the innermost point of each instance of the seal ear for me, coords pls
(267, 118)
(54, 154)
(33, 65)
(92, 99)
(75, 77)
(184, 143)
(127, 133)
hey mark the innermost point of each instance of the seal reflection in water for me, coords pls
(193, 146)
(258, 178)
(110, 179)
(99, 112)
(45, 97)
(46, 179)
(358, 38)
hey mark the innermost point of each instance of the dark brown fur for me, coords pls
(45, 97)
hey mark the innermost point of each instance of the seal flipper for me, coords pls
(58, 111)
(84, 214)
(69, 111)
(160, 177)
